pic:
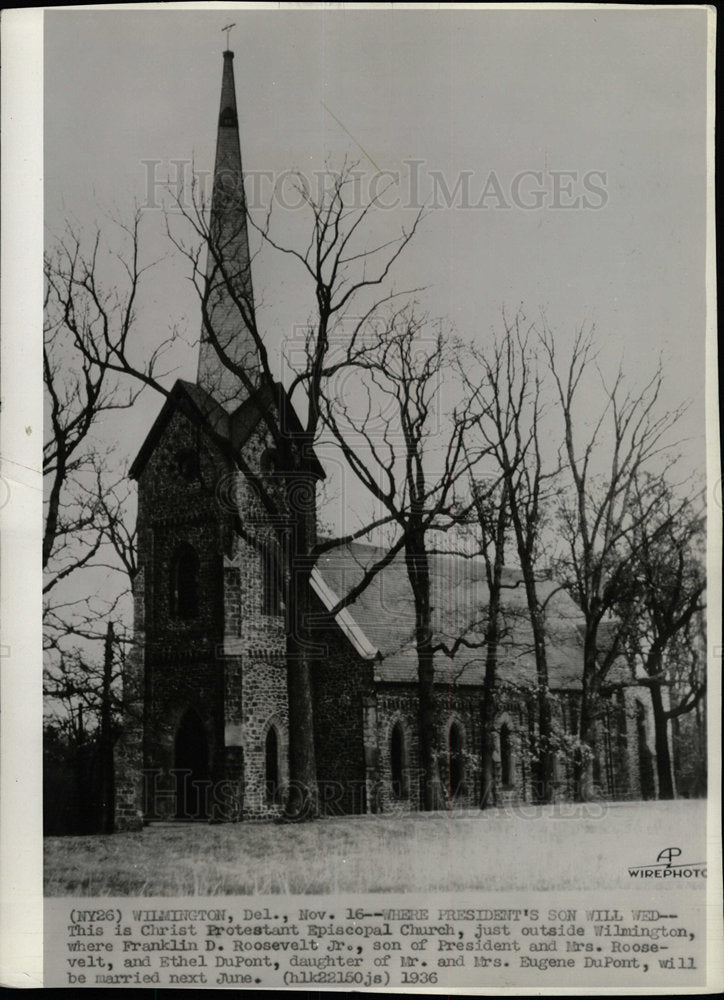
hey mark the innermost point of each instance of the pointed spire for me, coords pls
(228, 264)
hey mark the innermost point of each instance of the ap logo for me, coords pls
(668, 854)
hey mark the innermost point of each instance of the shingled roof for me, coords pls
(384, 616)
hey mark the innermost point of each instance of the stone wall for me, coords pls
(226, 662)
(459, 773)
(342, 680)
(256, 684)
(461, 780)
(617, 771)
(128, 752)
(176, 666)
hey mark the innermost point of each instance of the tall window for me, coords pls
(506, 756)
(271, 582)
(456, 759)
(185, 583)
(397, 761)
(271, 751)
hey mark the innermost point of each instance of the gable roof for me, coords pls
(383, 619)
(196, 404)
(245, 419)
(236, 427)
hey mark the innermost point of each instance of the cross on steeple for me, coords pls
(227, 29)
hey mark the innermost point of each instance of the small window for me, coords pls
(187, 464)
(185, 584)
(398, 761)
(506, 756)
(227, 118)
(456, 759)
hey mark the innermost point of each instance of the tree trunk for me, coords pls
(545, 764)
(492, 637)
(524, 544)
(302, 801)
(582, 777)
(53, 512)
(432, 792)
(83, 816)
(419, 574)
(545, 749)
(661, 739)
(106, 737)
(487, 769)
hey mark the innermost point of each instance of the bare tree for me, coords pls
(505, 387)
(662, 601)
(78, 391)
(686, 670)
(491, 512)
(85, 519)
(389, 443)
(84, 323)
(485, 521)
(84, 693)
(85, 708)
(344, 272)
(609, 501)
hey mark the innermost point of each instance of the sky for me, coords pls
(576, 138)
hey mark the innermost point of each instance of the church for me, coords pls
(206, 719)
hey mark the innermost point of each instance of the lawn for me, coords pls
(544, 847)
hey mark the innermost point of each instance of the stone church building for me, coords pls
(205, 732)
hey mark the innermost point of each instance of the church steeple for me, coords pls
(228, 263)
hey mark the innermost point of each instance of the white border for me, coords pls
(21, 435)
(21, 900)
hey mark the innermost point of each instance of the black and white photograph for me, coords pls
(381, 509)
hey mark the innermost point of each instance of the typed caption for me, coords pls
(411, 940)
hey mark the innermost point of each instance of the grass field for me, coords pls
(550, 847)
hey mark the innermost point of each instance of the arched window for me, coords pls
(456, 759)
(398, 761)
(271, 771)
(185, 583)
(271, 579)
(506, 756)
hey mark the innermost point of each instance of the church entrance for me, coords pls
(191, 760)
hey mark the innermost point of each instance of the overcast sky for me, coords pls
(480, 97)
